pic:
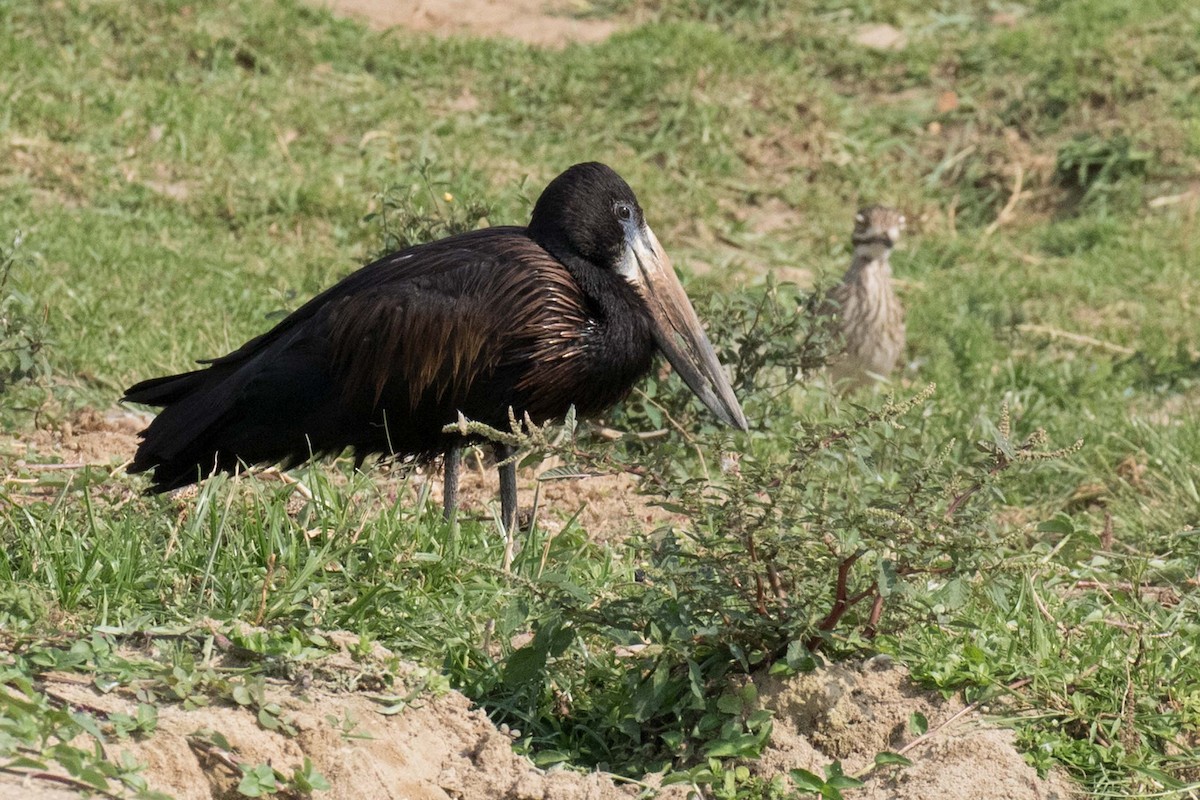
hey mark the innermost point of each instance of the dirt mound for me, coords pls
(549, 24)
(369, 745)
(851, 712)
(437, 748)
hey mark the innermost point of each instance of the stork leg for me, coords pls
(508, 489)
(450, 483)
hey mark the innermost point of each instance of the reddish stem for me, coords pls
(873, 619)
(841, 601)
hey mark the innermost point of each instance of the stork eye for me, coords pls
(624, 212)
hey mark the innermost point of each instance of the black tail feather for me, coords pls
(271, 408)
(165, 390)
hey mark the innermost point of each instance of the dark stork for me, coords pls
(567, 311)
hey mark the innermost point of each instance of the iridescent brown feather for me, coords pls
(438, 345)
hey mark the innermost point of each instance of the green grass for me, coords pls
(182, 171)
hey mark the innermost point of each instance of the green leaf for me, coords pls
(1060, 523)
(89, 725)
(729, 704)
(147, 717)
(799, 658)
(259, 779)
(307, 779)
(268, 720)
(887, 758)
(806, 781)
(25, 762)
(746, 745)
(217, 738)
(759, 718)
(918, 724)
(524, 666)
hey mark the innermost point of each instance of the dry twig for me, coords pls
(1077, 338)
(64, 780)
(1014, 198)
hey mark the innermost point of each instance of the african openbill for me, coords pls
(567, 311)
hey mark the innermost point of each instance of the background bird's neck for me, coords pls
(870, 260)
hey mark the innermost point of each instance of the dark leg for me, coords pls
(508, 489)
(450, 485)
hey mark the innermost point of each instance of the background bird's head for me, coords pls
(879, 226)
(590, 214)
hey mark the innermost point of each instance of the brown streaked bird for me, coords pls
(567, 311)
(869, 316)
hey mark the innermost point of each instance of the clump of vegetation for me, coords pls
(23, 329)
(1092, 166)
(423, 209)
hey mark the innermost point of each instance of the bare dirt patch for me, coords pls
(548, 24)
(881, 36)
(608, 507)
(88, 437)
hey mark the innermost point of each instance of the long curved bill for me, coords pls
(678, 331)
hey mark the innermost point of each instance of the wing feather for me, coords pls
(433, 339)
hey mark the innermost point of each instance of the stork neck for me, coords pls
(609, 296)
(596, 283)
(621, 323)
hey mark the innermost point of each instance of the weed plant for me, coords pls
(857, 525)
(23, 330)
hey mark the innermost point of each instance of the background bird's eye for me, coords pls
(624, 212)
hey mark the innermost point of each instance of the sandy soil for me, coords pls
(608, 507)
(851, 712)
(88, 438)
(549, 24)
(438, 747)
